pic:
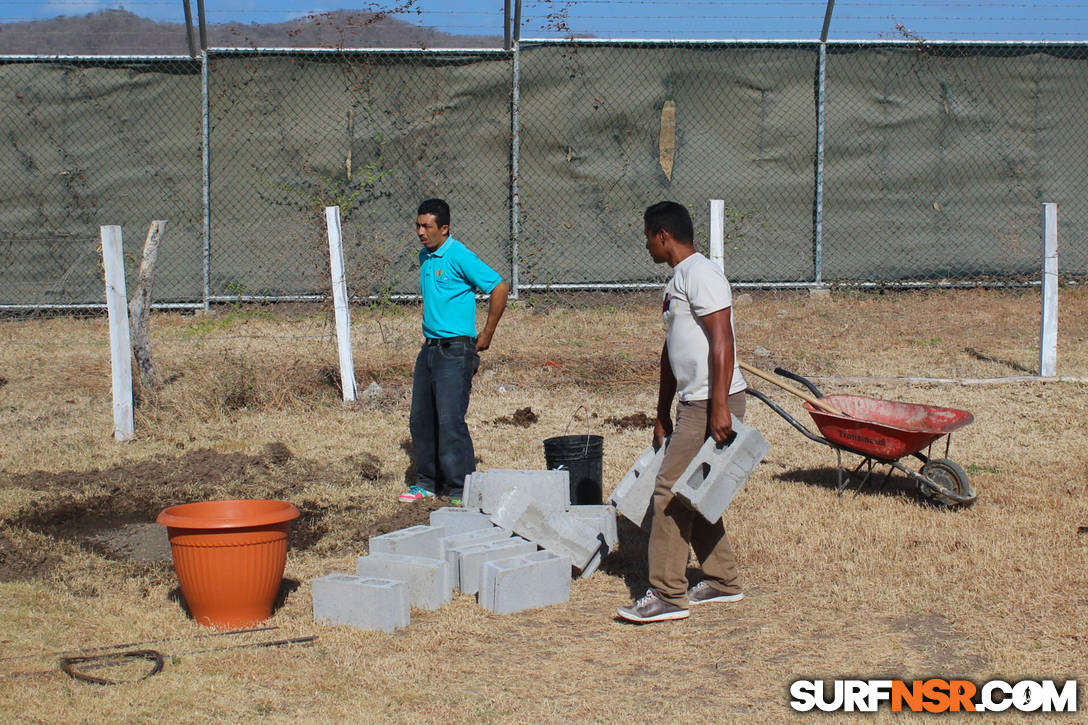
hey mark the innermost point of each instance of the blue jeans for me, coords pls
(441, 385)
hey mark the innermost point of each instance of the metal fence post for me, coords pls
(205, 161)
(821, 102)
(818, 201)
(515, 157)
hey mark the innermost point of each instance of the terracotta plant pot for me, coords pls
(229, 557)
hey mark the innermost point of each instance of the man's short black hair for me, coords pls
(439, 208)
(673, 218)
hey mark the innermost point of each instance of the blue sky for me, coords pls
(1050, 20)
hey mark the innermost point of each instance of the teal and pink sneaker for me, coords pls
(415, 493)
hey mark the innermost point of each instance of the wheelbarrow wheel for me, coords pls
(948, 475)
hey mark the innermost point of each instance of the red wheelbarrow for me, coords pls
(881, 432)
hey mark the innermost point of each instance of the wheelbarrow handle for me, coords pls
(804, 381)
(822, 405)
(789, 418)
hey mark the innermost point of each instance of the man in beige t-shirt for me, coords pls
(699, 368)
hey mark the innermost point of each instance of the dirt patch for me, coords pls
(199, 471)
(943, 648)
(367, 466)
(24, 556)
(137, 541)
(411, 514)
(635, 420)
(111, 512)
(523, 417)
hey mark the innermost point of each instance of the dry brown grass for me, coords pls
(877, 584)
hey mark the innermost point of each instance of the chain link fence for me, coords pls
(90, 142)
(885, 163)
(939, 156)
(609, 129)
(372, 133)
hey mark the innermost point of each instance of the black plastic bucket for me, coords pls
(581, 456)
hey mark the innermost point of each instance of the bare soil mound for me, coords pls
(112, 511)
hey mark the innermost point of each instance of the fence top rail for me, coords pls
(802, 42)
(4, 58)
(665, 41)
(493, 52)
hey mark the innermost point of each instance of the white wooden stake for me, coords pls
(1048, 338)
(340, 304)
(120, 350)
(717, 233)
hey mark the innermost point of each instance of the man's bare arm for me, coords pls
(720, 331)
(496, 305)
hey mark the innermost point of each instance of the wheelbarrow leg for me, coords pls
(868, 475)
(840, 470)
(887, 477)
(846, 478)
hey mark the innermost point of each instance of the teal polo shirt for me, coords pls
(448, 279)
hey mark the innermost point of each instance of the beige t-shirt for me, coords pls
(697, 289)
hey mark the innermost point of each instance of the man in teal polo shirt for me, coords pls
(449, 275)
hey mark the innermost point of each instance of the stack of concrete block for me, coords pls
(488, 547)
(536, 506)
(451, 545)
(557, 531)
(471, 558)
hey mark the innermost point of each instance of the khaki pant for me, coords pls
(676, 528)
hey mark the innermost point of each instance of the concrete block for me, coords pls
(471, 557)
(593, 565)
(473, 495)
(560, 533)
(524, 582)
(458, 520)
(509, 509)
(363, 602)
(430, 584)
(548, 489)
(492, 533)
(425, 541)
(602, 517)
(633, 496)
(716, 474)
(603, 520)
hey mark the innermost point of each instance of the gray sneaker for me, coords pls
(652, 609)
(702, 593)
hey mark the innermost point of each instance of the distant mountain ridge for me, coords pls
(120, 32)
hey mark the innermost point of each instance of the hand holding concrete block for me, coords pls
(717, 472)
